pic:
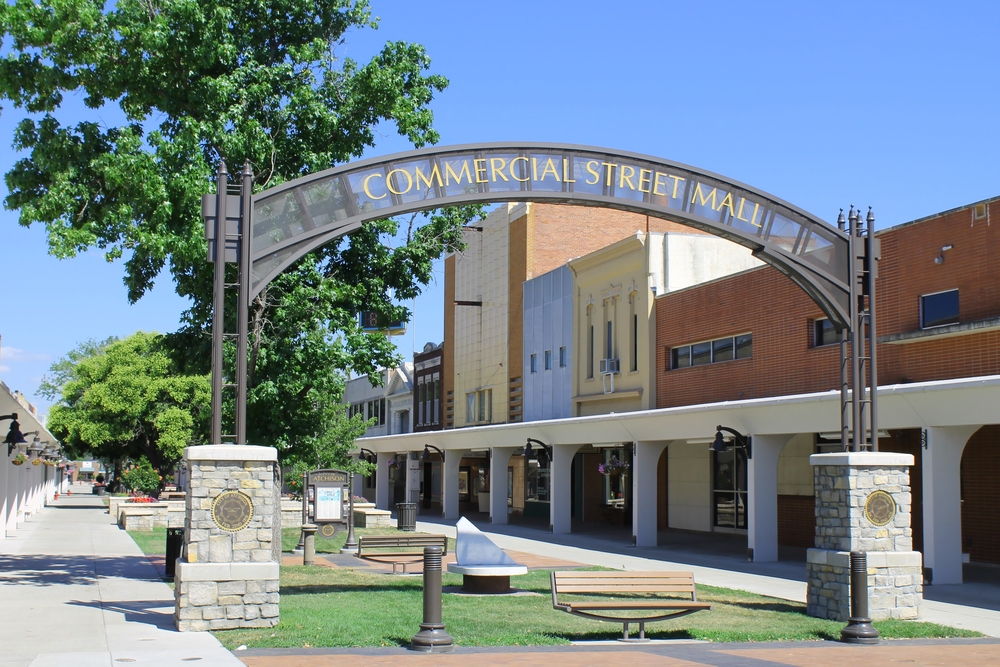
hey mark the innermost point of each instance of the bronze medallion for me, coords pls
(328, 530)
(232, 511)
(880, 508)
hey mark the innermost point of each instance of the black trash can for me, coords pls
(406, 516)
(175, 541)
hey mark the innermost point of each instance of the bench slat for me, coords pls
(639, 604)
(598, 574)
(627, 588)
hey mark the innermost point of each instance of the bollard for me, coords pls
(859, 628)
(432, 637)
(309, 552)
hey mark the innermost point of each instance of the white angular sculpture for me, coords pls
(484, 566)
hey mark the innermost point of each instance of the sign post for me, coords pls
(327, 497)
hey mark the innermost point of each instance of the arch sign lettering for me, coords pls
(292, 219)
(284, 223)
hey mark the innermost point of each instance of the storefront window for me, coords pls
(729, 483)
(537, 481)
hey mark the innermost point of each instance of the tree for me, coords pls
(330, 447)
(196, 82)
(123, 399)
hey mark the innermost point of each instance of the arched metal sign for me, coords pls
(286, 222)
(292, 219)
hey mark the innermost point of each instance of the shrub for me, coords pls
(141, 478)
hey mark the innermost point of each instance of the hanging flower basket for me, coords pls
(36, 462)
(612, 468)
(392, 463)
(19, 459)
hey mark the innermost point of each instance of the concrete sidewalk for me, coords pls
(75, 591)
(967, 607)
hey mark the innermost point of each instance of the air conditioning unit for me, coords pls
(610, 366)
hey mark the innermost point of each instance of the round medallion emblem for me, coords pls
(232, 511)
(880, 508)
(328, 530)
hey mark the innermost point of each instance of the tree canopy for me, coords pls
(124, 398)
(196, 82)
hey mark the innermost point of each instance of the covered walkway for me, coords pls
(76, 590)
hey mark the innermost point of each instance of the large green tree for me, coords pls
(125, 399)
(197, 82)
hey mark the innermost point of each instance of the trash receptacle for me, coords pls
(175, 541)
(406, 516)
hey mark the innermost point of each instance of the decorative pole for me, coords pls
(351, 545)
(859, 628)
(432, 637)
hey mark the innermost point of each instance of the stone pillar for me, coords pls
(560, 488)
(863, 504)
(227, 576)
(449, 482)
(942, 462)
(5, 475)
(382, 480)
(644, 492)
(13, 475)
(499, 460)
(762, 496)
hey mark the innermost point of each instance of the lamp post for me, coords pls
(739, 440)
(14, 436)
(545, 449)
(351, 545)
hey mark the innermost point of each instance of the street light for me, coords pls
(14, 436)
(426, 456)
(739, 440)
(545, 451)
(369, 455)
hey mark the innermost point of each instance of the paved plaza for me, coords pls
(76, 591)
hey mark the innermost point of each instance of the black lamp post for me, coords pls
(14, 435)
(426, 456)
(545, 451)
(739, 440)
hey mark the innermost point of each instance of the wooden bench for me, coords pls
(627, 593)
(394, 548)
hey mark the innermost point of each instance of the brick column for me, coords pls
(227, 576)
(844, 483)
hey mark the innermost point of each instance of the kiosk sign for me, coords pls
(326, 500)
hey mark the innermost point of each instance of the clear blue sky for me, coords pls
(887, 104)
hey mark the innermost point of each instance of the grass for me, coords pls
(152, 542)
(345, 607)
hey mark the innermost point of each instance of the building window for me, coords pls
(979, 211)
(420, 401)
(590, 353)
(939, 309)
(548, 360)
(533, 363)
(470, 407)
(711, 351)
(437, 398)
(635, 343)
(536, 480)
(729, 488)
(824, 333)
(562, 357)
(376, 411)
(616, 484)
(479, 406)
(609, 342)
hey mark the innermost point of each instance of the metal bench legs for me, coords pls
(642, 632)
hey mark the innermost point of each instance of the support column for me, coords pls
(499, 460)
(413, 477)
(942, 460)
(5, 475)
(449, 482)
(560, 485)
(13, 484)
(644, 487)
(22, 494)
(382, 479)
(762, 496)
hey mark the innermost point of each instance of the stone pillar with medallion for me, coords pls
(863, 503)
(227, 575)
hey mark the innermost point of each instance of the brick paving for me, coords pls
(919, 653)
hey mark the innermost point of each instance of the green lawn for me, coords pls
(152, 542)
(323, 607)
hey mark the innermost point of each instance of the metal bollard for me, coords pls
(859, 628)
(432, 637)
(309, 552)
